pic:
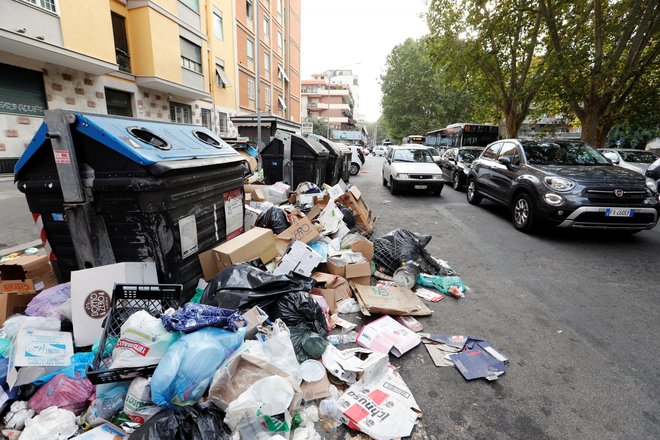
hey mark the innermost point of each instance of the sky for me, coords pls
(357, 35)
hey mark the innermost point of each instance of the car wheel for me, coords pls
(437, 192)
(355, 168)
(522, 213)
(394, 187)
(472, 197)
(384, 181)
(456, 181)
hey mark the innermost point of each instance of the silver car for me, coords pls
(636, 160)
(411, 166)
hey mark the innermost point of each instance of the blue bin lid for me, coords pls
(183, 140)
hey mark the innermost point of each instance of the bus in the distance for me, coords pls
(414, 139)
(462, 135)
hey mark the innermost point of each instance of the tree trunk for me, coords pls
(593, 126)
(513, 123)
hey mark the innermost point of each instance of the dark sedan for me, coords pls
(563, 183)
(456, 163)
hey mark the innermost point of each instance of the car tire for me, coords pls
(456, 181)
(394, 187)
(384, 181)
(355, 169)
(523, 213)
(437, 192)
(473, 197)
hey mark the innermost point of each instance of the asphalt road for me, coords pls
(576, 313)
(17, 225)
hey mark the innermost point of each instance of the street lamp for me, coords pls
(328, 92)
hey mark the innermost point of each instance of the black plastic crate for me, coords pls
(126, 300)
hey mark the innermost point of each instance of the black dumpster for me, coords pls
(335, 165)
(308, 160)
(161, 189)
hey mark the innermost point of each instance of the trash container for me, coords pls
(163, 191)
(308, 160)
(348, 157)
(335, 165)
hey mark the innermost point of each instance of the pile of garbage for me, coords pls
(288, 335)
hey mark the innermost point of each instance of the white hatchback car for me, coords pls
(636, 160)
(380, 150)
(411, 166)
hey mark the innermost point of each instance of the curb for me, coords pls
(21, 247)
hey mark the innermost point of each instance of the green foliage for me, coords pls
(320, 127)
(632, 136)
(377, 130)
(419, 96)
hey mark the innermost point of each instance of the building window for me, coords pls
(281, 103)
(266, 26)
(206, 118)
(192, 4)
(191, 55)
(222, 122)
(180, 113)
(279, 40)
(266, 62)
(21, 91)
(248, 9)
(121, 42)
(250, 89)
(250, 50)
(221, 79)
(217, 26)
(119, 102)
(48, 5)
(267, 98)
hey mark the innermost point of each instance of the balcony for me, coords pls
(123, 60)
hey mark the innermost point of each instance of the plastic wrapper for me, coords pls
(18, 413)
(9, 394)
(63, 392)
(53, 424)
(399, 246)
(47, 303)
(79, 363)
(274, 219)
(243, 287)
(348, 305)
(18, 322)
(188, 423)
(109, 400)
(299, 309)
(185, 371)
(143, 341)
(453, 286)
(307, 344)
(192, 317)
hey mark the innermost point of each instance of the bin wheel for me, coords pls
(355, 168)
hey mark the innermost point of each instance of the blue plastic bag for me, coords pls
(187, 368)
(79, 363)
(192, 317)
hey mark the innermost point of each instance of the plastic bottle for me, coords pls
(406, 275)
(344, 338)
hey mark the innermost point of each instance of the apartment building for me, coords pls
(279, 56)
(168, 60)
(326, 97)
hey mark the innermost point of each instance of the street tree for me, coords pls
(602, 49)
(499, 44)
(320, 126)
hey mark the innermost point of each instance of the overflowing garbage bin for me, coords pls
(157, 191)
(292, 159)
(346, 166)
(335, 165)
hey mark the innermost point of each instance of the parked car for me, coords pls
(564, 183)
(636, 160)
(357, 158)
(411, 166)
(456, 163)
(653, 172)
(380, 150)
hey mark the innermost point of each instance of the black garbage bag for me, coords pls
(242, 287)
(185, 423)
(299, 309)
(399, 246)
(274, 219)
(349, 215)
(307, 344)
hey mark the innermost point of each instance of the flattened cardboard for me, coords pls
(255, 243)
(385, 335)
(12, 303)
(316, 390)
(39, 350)
(390, 300)
(300, 259)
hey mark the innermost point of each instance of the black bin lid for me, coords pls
(276, 147)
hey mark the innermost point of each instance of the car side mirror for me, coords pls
(506, 161)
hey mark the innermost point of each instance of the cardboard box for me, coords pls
(257, 192)
(331, 287)
(38, 352)
(385, 335)
(251, 216)
(255, 243)
(254, 317)
(12, 303)
(389, 300)
(316, 390)
(359, 273)
(302, 230)
(91, 295)
(353, 199)
(27, 274)
(300, 259)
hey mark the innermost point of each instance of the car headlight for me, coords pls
(559, 183)
(651, 184)
(402, 176)
(553, 199)
(437, 176)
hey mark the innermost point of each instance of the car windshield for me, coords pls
(468, 155)
(563, 153)
(416, 155)
(638, 156)
(433, 151)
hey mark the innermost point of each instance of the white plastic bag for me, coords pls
(348, 305)
(18, 414)
(53, 424)
(306, 432)
(138, 404)
(143, 341)
(279, 350)
(15, 323)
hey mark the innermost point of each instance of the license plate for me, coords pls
(420, 186)
(619, 212)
